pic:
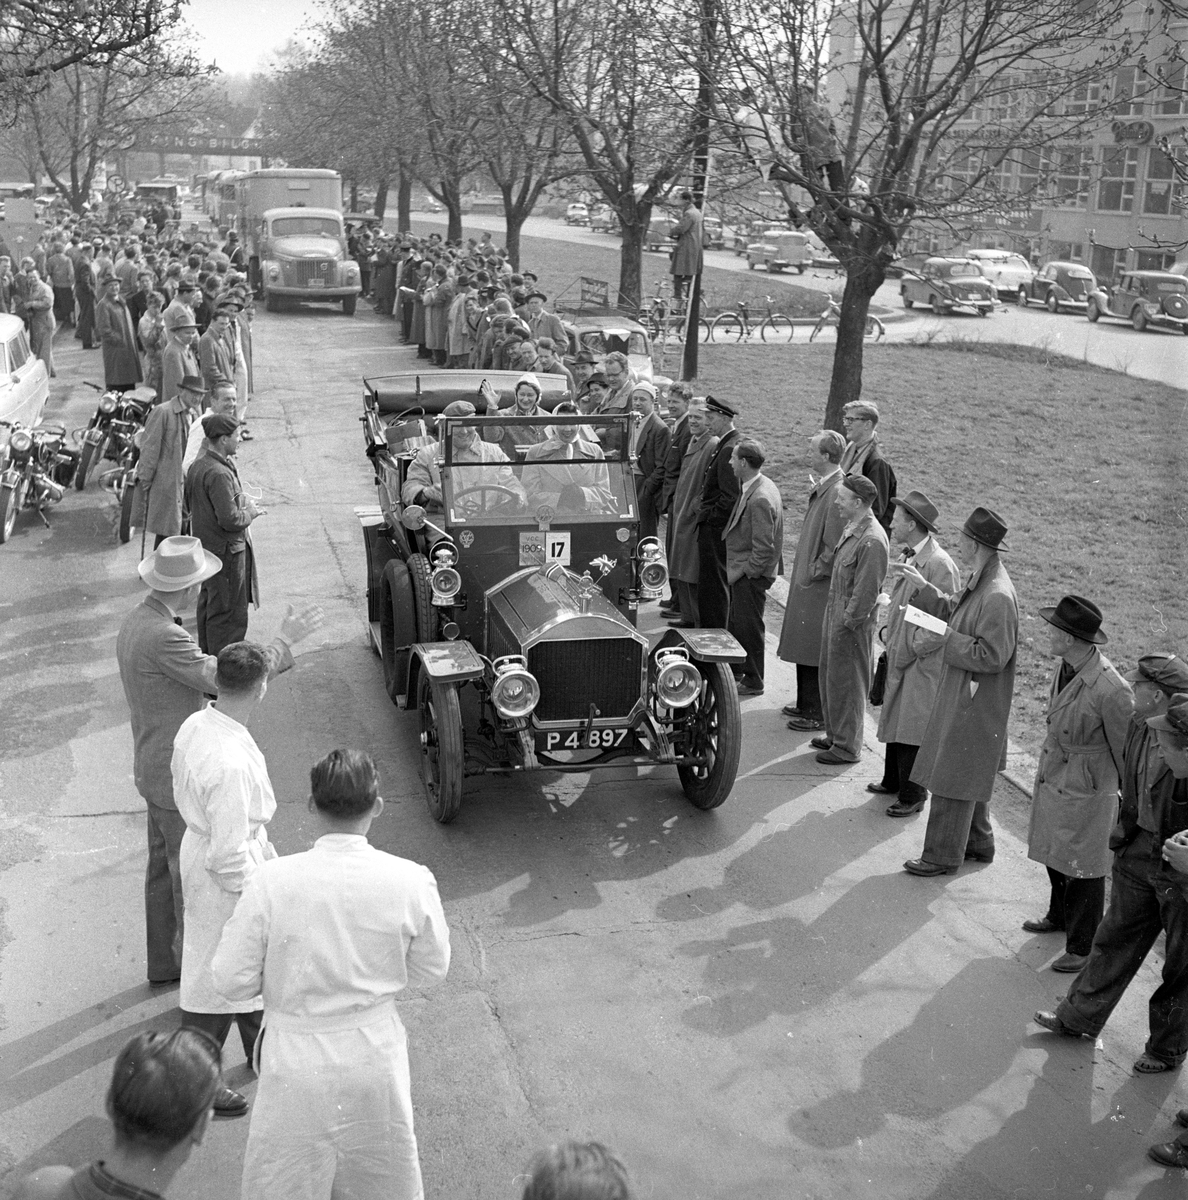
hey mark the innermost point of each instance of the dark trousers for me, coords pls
(406, 315)
(897, 773)
(687, 598)
(218, 1025)
(649, 514)
(85, 330)
(713, 593)
(163, 905)
(1143, 903)
(679, 283)
(808, 690)
(748, 598)
(668, 527)
(64, 305)
(957, 828)
(1076, 907)
(223, 604)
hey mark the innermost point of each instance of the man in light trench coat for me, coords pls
(160, 480)
(1075, 801)
(964, 745)
(913, 670)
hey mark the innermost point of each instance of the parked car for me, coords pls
(577, 214)
(657, 238)
(1143, 298)
(946, 284)
(1059, 286)
(779, 250)
(747, 232)
(504, 615)
(713, 233)
(601, 333)
(604, 219)
(819, 254)
(1008, 272)
(24, 380)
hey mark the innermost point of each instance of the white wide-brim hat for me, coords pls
(178, 563)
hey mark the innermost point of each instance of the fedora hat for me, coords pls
(178, 563)
(1078, 616)
(987, 528)
(193, 383)
(920, 507)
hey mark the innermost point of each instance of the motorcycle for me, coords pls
(120, 481)
(118, 421)
(36, 468)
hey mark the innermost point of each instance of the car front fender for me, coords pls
(449, 662)
(704, 645)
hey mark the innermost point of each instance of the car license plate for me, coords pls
(563, 742)
(317, 283)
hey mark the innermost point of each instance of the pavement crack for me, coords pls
(111, 812)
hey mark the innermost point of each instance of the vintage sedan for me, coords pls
(24, 379)
(780, 250)
(1007, 271)
(1143, 298)
(601, 333)
(504, 608)
(945, 284)
(1059, 287)
(577, 214)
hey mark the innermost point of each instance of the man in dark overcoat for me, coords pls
(651, 440)
(689, 255)
(864, 456)
(719, 491)
(113, 324)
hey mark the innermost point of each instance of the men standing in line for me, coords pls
(800, 635)
(719, 491)
(220, 514)
(754, 538)
(60, 276)
(859, 567)
(1147, 892)
(113, 324)
(178, 359)
(651, 439)
(216, 351)
(331, 937)
(1075, 800)
(165, 677)
(964, 745)
(864, 456)
(913, 671)
(160, 479)
(689, 255)
(222, 402)
(684, 563)
(181, 308)
(224, 795)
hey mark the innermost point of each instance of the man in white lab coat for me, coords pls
(222, 791)
(332, 936)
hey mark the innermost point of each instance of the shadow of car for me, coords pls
(1144, 298)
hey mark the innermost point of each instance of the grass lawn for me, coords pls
(560, 265)
(1086, 466)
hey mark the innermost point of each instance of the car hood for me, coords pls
(306, 246)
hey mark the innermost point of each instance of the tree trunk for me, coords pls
(354, 205)
(846, 383)
(404, 203)
(511, 239)
(381, 197)
(635, 230)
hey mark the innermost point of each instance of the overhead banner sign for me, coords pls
(199, 143)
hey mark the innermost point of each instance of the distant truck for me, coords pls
(292, 230)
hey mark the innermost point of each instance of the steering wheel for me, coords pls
(473, 507)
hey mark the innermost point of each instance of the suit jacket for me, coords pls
(754, 535)
(549, 325)
(557, 483)
(215, 501)
(165, 676)
(719, 489)
(878, 470)
(681, 435)
(651, 451)
(160, 483)
(216, 358)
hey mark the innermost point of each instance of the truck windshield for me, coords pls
(317, 226)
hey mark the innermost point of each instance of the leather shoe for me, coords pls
(918, 866)
(822, 743)
(229, 1104)
(805, 724)
(680, 624)
(790, 710)
(974, 856)
(1069, 963)
(749, 689)
(164, 983)
(879, 790)
(899, 809)
(1169, 1154)
(833, 760)
(1043, 925)
(1148, 1064)
(1053, 1024)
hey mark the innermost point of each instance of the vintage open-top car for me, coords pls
(504, 608)
(1143, 298)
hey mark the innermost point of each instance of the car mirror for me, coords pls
(413, 517)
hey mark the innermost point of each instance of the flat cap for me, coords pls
(861, 487)
(1161, 668)
(219, 425)
(1175, 720)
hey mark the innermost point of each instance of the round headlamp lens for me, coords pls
(21, 442)
(515, 693)
(107, 404)
(678, 682)
(446, 583)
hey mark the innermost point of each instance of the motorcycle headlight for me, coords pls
(446, 584)
(678, 681)
(107, 404)
(20, 442)
(515, 692)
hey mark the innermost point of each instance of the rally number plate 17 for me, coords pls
(559, 741)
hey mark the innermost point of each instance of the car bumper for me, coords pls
(308, 293)
(1168, 322)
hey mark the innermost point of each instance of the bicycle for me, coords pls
(664, 319)
(832, 315)
(736, 326)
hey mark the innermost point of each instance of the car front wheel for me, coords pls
(1138, 319)
(1052, 303)
(1092, 311)
(1022, 297)
(908, 302)
(715, 736)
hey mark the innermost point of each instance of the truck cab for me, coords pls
(301, 254)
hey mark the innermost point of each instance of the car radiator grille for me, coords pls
(306, 269)
(575, 674)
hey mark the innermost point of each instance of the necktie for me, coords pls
(177, 620)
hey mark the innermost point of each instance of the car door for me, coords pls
(26, 379)
(1122, 298)
(1043, 282)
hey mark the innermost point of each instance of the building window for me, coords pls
(1106, 262)
(1170, 100)
(1119, 168)
(1066, 251)
(1153, 260)
(1085, 97)
(1129, 91)
(1162, 192)
(1068, 175)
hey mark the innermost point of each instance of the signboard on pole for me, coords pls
(595, 292)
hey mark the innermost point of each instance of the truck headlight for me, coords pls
(352, 270)
(515, 692)
(678, 681)
(446, 584)
(273, 271)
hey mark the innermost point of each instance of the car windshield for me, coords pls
(958, 270)
(528, 471)
(317, 226)
(606, 341)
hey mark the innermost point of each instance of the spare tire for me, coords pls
(1176, 305)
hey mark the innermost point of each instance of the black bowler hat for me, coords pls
(919, 506)
(1078, 616)
(713, 404)
(987, 528)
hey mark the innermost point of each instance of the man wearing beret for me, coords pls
(859, 567)
(1075, 800)
(719, 492)
(864, 456)
(913, 671)
(965, 742)
(1149, 877)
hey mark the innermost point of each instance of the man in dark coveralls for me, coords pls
(719, 491)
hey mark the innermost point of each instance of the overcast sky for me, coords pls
(239, 34)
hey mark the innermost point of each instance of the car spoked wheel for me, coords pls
(443, 750)
(715, 735)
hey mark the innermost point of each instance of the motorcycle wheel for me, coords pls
(126, 512)
(92, 453)
(12, 500)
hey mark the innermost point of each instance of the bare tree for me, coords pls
(879, 114)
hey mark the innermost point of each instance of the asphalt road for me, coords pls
(751, 1002)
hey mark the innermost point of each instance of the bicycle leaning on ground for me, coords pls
(734, 326)
(832, 315)
(664, 317)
